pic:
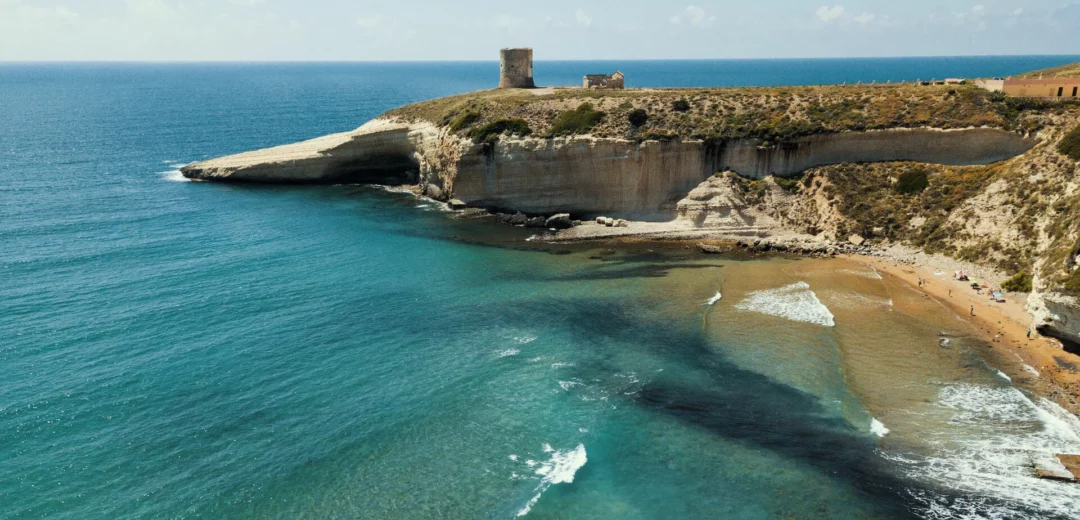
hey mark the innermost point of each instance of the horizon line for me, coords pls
(495, 60)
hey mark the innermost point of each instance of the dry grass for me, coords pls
(1071, 70)
(773, 114)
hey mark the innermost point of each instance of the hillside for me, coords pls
(1071, 70)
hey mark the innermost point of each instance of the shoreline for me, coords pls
(1004, 327)
(1038, 364)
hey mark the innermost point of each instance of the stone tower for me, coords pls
(516, 68)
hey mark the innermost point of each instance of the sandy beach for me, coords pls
(1005, 327)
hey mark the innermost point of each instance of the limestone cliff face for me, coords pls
(582, 174)
(972, 146)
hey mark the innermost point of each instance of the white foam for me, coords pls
(525, 340)
(1004, 376)
(559, 469)
(987, 452)
(712, 301)
(872, 274)
(507, 353)
(173, 176)
(567, 385)
(877, 428)
(795, 302)
(513, 457)
(562, 365)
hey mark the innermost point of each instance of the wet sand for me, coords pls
(1005, 327)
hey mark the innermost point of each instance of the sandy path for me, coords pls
(1005, 326)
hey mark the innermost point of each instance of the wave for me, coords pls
(877, 428)
(795, 302)
(507, 353)
(1001, 434)
(173, 176)
(712, 301)
(873, 274)
(559, 469)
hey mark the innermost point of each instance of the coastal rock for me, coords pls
(537, 222)
(582, 173)
(519, 219)
(1057, 316)
(456, 204)
(560, 221)
(434, 192)
(856, 240)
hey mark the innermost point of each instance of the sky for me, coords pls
(428, 30)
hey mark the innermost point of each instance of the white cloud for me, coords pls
(698, 17)
(694, 15)
(979, 9)
(583, 19)
(865, 18)
(828, 14)
(1019, 11)
(247, 2)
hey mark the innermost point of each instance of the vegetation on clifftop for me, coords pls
(1070, 144)
(775, 114)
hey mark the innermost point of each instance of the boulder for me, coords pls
(857, 240)
(879, 231)
(455, 204)
(600, 220)
(519, 219)
(536, 222)
(621, 223)
(434, 192)
(609, 222)
(560, 221)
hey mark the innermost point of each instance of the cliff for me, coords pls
(817, 161)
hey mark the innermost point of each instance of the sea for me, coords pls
(179, 350)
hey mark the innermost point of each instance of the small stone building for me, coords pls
(605, 81)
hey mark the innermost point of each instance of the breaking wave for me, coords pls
(992, 462)
(795, 302)
(560, 468)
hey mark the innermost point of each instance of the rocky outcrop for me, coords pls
(1057, 316)
(380, 151)
(581, 174)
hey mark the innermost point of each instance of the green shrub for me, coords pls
(680, 105)
(1072, 283)
(912, 181)
(577, 121)
(464, 121)
(1019, 283)
(638, 117)
(491, 131)
(1070, 145)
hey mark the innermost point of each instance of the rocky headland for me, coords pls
(952, 171)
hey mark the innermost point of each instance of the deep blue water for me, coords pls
(180, 350)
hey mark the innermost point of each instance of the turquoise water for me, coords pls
(180, 350)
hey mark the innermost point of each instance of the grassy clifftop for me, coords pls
(1071, 70)
(773, 114)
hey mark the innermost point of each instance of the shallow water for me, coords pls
(175, 350)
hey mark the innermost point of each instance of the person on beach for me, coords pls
(972, 310)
